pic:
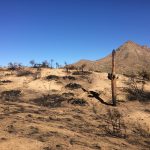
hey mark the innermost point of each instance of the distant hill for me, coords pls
(130, 57)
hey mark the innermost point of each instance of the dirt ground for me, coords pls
(44, 113)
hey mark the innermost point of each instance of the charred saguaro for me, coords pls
(113, 78)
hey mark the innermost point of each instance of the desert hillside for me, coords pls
(128, 55)
(52, 109)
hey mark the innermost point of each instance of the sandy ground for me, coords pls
(27, 123)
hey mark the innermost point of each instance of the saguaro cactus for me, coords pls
(113, 78)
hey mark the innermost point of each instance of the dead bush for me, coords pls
(81, 73)
(52, 77)
(144, 75)
(141, 130)
(114, 124)
(69, 78)
(73, 86)
(68, 94)
(14, 66)
(51, 101)
(136, 89)
(5, 81)
(23, 73)
(77, 101)
(11, 95)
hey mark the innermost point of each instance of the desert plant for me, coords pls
(144, 75)
(69, 94)
(52, 60)
(57, 65)
(82, 67)
(23, 73)
(81, 73)
(66, 67)
(52, 77)
(13, 66)
(141, 130)
(69, 77)
(45, 64)
(73, 86)
(32, 62)
(53, 100)
(5, 81)
(115, 125)
(136, 90)
(37, 74)
(77, 101)
(11, 95)
(72, 67)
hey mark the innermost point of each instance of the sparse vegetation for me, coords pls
(51, 101)
(57, 65)
(69, 94)
(144, 75)
(45, 64)
(136, 89)
(73, 86)
(24, 73)
(14, 66)
(52, 77)
(141, 130)
(5, 81)
(77, 101)
(115, 125)
(83, 107)
(82, 67)
(52, 60)
(69, 78)
(11, 95)
(81, 73)
(66, 67)
(32, 62)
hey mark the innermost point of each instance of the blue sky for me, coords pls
(69, 30)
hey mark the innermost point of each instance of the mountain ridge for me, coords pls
(130, 57)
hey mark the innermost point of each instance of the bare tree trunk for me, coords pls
(113, 79)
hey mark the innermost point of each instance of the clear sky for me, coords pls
(69, 30)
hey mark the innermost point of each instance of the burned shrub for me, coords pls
(14, 66)
(136, 89)
(23, 73)
(77, 101)
(142, 130)
(11, 95)
(81, 73)
(5, 81)
(51, 101)
(144, 75)
(68, 94)
(69, 78)
(115, 125)
(73, 86)
(11, 129)
(52, 77)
